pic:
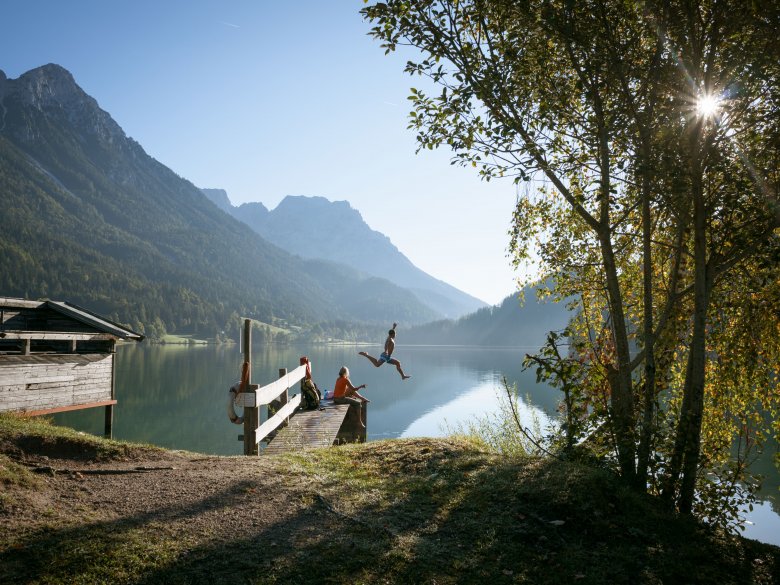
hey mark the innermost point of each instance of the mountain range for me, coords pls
(313, 227)
(89, 217)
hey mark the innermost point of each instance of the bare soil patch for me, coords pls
(76, 509)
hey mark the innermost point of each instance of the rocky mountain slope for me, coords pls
(314, 227)
(90, 217)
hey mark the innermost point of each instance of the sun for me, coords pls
(707, 106)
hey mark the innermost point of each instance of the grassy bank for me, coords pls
(77, 509)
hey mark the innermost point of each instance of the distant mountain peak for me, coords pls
(335, 231)
(52, 84)
(219, 197)
(51, 89)
(326, 210)
(314, 202)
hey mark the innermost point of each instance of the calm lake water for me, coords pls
(176, 397)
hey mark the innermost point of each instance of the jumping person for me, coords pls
(345, 393)
(386, 356)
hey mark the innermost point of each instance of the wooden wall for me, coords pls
(46, 382)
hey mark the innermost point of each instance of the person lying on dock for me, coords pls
(386, 356)
(345, 393)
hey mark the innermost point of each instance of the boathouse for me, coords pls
(55, 356)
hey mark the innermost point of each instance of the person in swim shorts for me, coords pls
(387, 355)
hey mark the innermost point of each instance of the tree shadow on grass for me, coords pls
(452, 520)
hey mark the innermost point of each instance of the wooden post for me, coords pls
(26, 347)
(284, 398)
(351, 431)
(251, 414)
(108, 421)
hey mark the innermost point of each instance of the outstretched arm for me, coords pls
(353, 390)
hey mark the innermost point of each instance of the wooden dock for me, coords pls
(310, 429)
(288, 427)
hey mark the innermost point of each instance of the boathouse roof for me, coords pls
(21, 317)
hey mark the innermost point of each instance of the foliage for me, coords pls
(660, 219)
(503, 432)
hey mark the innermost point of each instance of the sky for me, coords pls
(266, 99)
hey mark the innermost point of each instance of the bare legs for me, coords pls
(397, 365)
(355, 404)
(372, 359)
(392, 361)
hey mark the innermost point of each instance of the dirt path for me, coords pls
(206, 497)
(411, 511)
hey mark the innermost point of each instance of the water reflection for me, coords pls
(176, 397)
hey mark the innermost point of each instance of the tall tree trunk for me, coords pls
(621, 386)
(697, 359)
(648, 403)
(687, 447)
(620, 383)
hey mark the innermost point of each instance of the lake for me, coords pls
(175, 396)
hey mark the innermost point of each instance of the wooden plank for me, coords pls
(270, 391)
(55, 336)
(10, 302)
(53, 359)
(310, 429)
(46, 382)
(34, 380)
(258, 396)
(69, 408)
(270, 425)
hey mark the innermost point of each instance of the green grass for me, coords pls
(183, 340)
(441, 511)
(39, 435)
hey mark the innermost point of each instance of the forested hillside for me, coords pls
(511, 323)
(89, 217)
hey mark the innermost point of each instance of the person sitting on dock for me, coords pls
(386, 356)
(345, 393)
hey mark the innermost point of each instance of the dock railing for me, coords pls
(276, 394)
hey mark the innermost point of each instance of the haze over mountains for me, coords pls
(313, 227)
(89, 217)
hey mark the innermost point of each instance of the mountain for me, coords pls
(335, 231)
(507, 324)
(89, 217)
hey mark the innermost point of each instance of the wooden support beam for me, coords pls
(106, 403)
(284, 396)
(108, 420)
(251, 413)
(55, 336)
(6, 302)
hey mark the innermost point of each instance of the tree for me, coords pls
(647, 204)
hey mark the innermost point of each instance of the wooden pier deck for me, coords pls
(288, 427)
(310, 429)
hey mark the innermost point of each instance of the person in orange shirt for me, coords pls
(345, 393)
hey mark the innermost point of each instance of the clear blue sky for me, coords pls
(266, 99)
